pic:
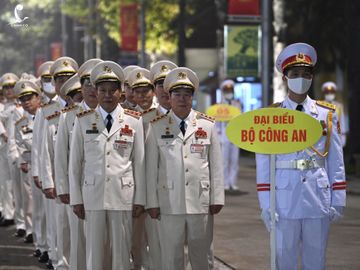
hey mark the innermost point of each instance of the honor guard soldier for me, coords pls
(28, 93)
(107, 174)
(62, 70)
(7, 166)
(184, 175)
(62, 149)
(329, 90)
(229, 150)
(129, 102)
(310, 184)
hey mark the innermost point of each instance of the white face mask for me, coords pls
(48, 87)
(229, 96)
(330, 97)
(299, 85)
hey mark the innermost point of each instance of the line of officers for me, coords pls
(110, 168)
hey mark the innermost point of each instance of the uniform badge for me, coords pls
(93, 129)
(167, 134)
(200, 134)
(126, 131)
(323, 124)
(26, 130)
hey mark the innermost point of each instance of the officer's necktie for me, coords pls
(299, 107)
(108, 124)
(182, 127)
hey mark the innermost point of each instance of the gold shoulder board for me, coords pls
(158, 118)
(326, 105)
(81, 114)
(132, 113)
(204, 116)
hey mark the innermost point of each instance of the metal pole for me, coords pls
(143, 32)
(63, 31)
(272, 212)
(265, 50)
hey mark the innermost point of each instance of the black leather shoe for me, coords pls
(49, 265)
(29, 239)
(44, 257)
(20, 233)
(37, 253)
(6, 222)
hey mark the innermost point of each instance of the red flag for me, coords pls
(129, 27)
(243, 7)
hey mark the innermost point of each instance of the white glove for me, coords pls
(336, 213)
(266, 217)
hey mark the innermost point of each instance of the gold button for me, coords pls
(185, 156)
(184, 143)
(108, 179)
(108, 166)
(108, 139)
(187, 183)
(108, 153)
(186, 170)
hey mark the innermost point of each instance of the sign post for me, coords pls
(273, 131)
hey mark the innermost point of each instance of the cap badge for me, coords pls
(107, 69)
(164, 68)
(300, 57)
(23, 85)
(182, 75)
(139, 75)
(65, 63)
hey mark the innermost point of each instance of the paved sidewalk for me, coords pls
(242, 241)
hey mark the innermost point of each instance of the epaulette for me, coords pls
(81, 114)
(326, 105)
(46, 104)
(275, 105)
(148, 110)
(69, 108)
(204, 116)
(20, 120)
(132, 113)
(52, 116)
(158, 118)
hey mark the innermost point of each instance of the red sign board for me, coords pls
(129, 27)
(56, 50)
(243, 7)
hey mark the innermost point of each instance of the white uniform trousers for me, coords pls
(115, 224)
(27, 200)
(139, 251)
(175, 230)
(18, 200)
(307, 237)
(77, 242)
(63, 236)
(231, 163)
(50, 213)
(39, 219)
(6, 195)
(152, 227)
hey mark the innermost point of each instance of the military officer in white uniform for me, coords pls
(310, 184)
(28, 93)
(39, 218)
(62, 146)
(329, 90)
(62, 70)
(7, 82)
(107, 175)
(129, 102)
(184, 175)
